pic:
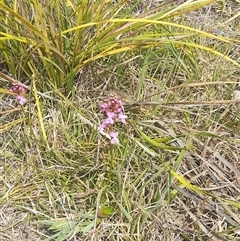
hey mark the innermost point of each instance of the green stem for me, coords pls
(112, 157)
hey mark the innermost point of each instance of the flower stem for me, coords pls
(112, 157)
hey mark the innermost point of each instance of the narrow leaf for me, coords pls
(187, 184)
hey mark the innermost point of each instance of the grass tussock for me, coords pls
(175, 173)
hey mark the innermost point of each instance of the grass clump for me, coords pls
(175, 172)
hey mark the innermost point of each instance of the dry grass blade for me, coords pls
(208, 233)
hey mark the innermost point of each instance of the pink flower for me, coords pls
(114, 136)
(19, 89)
(22, 100)
(110, 114)
(120, 109)
(122, 118)
(101, 127)
(104, 106)
(108, 121)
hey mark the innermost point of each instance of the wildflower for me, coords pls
(110, 115)
(101, 128)
(19, 89)
(114, 136)
(113, 110)
(22, 100)
(122, 118)
(108, 121)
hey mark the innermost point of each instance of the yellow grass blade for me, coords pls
(7, 126)
(157, 143)
(5, 91)
(132, 21)
(187, 184)
(12, 37)
(39, 113)
(24, 21)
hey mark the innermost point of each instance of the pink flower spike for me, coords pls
(114, 136)
(22, 100)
